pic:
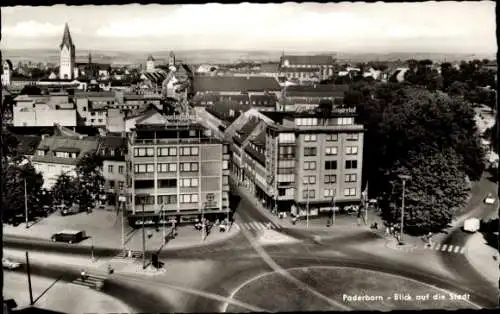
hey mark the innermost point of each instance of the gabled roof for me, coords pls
(222, 110)
(318, 90)
(65, 143)
(309, 60)
(156, 77)
(27, 143)
(263, 100)
(66, 40)
(235, 84)
(246, 129)
(112, 143)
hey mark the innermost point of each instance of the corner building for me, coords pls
(177, 172)
(301, 160)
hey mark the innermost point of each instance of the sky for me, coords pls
(449, 27)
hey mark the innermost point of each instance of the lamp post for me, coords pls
(142, 198)
(333, 209)
(307, 210)
(26, 203)
(122, 200)
(404, 178)
(202, 223)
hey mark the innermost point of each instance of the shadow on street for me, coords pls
(487, 229)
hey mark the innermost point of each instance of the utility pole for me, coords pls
(29, 278)
(307, 210)
(202, 224)
(163, 218)
(404, 178)
(26, 203)
(143, 237)
(122, 200)
(333, 209)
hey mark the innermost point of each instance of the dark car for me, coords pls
(16, 220)
(69, 236)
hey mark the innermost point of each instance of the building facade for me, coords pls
(7, 73)
(177, 170)
(301, 163)
(307, 67)
(66, 56)
(112, 150)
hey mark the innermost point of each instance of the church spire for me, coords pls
(66, 40)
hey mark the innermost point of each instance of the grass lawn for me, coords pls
(275, 293)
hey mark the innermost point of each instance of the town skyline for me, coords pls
(360, 28)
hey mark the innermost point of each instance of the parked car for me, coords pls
(16, 220)
(69, 236)
(73, 209)
(490, 200)
(8, 264)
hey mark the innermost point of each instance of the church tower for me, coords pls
(67, 56)
(150, 64)
(171, 59)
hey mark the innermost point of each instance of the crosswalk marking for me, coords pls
(450, 248)
(462, 250)
(456, 249)
(438, 246)
(443, 248)
(257, 225)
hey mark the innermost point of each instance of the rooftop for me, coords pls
(316, 90)
(235, 84)
(309, 60)
(64, 143)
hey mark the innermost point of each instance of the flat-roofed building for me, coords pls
(177, 170)
(300, 160)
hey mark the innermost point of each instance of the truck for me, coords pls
(471, 225)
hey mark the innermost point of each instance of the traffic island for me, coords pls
(355, 288)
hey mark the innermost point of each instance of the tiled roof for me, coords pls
(246, 129)
(260, 139)
(84, 145)
(269, 68)
(28, 143)
(309, 60)
(156, 77)
(316, 90)
(305, 70)
(222, 109)
(263, 100)
(234, 84)
(115, 144)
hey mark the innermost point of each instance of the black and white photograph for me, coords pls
(249, 157)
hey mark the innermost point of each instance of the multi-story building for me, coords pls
(58, 155)
(307, 67)
(299, 97)
(43, 111)
(300, 161)
(177, 170)
(112, 150)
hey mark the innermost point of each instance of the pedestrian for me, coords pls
(129, 253)
(387, 231)
(294, 220)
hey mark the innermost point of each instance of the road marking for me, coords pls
(443, 248)
(437, 246)
(260, 226)
(456, 249)
(450, 248)
(246, 225)
(462, 250)
(254, 225)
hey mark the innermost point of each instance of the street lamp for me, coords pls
(142, 197)
(122, 199)
(22, 164)
(404, 178)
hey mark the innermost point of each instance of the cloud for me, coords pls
(34, 29)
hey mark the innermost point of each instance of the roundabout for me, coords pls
(355, 288)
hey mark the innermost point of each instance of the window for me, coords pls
(351, 164)
(188, 198)
(309, 165)
(225, 180)
(189, 182)
(121, 169)
(146, 199)
(306, 121)
(40, 152)
(345, 121)
(351, 150)
(332, 137)
(167, 183)
(121, 185)
(167, 151)
(62, 154)
(310, 151)
(309, 179)
(350, 192)
(352, 136)
(330, 151)
(351, 177)
(330, 178)
(111, 184)
(329, 193)
(210, 197)
(310, 138)
(188, 166)
(225, 164)
(286, 152)
(170, 167)
(330, 165)
(185, 151)
(143, 152)
(167, 199)
(308, 194)
(144, 184)
(110, 168)
(286, 137)
(144, 168)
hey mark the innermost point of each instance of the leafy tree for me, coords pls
(436, 189)
(89, 179)
(64, 190)
(13, 196)
(9, 144)
(457, 88)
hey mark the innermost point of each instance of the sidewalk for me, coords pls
(342, 222)
(104, 229)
